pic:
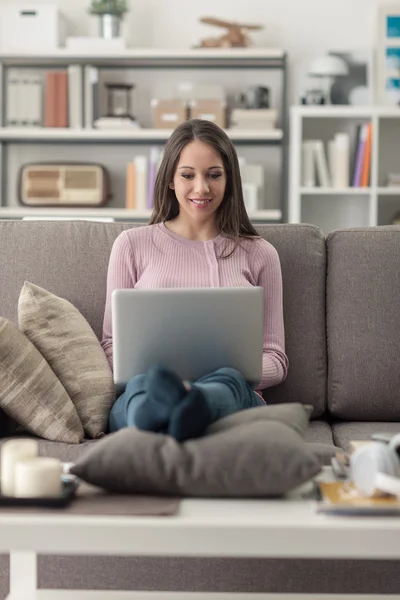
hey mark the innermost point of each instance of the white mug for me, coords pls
(375, 468)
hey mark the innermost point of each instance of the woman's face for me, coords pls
(199, 181)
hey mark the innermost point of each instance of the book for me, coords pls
(12, 118)
(321, 164)
(152, 172)
(308, 165)
(141, 181)
(75, 96)
(342, 498)
(341, 160)
(56, 102)
(367, 158)
(360, 154)
(91, 91)
(50, 119)
(130, 198)
(121, 123)
(62, 99)
(34, 96)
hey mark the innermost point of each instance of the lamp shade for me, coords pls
(328, 66)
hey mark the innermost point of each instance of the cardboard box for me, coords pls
(210, 110)
(168, 114)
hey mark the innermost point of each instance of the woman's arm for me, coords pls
(121, 274)
(275, 362)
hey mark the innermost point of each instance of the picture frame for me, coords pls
(358, 88)
(388, 54)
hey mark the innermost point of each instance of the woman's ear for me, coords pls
(171, 185)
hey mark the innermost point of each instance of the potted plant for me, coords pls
(110, 13)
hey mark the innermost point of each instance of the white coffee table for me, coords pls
(203, 528)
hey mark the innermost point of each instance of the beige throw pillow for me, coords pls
(68, 343)
(30, 393)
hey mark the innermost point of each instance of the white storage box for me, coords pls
(38, 27)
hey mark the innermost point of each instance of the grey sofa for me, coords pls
(342, 319)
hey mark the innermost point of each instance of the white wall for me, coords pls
(304, 28)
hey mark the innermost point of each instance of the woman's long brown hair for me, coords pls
(232, 219)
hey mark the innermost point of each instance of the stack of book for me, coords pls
(337, 168)
(52, 100)
(24, 99)
(362, 158)
(59, 98)
(140, 178)
(253, 118)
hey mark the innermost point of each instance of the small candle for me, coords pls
(38, 477)
(12, 452)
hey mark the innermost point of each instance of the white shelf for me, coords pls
(9, 134)
(19, 212)
(351, 112)
(132, 54)
(321, 191)
(266, 215)
(388, 191)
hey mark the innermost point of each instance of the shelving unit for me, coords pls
(335, 208)
(254, 58)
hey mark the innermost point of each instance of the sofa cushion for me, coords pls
(344, 433)
(68, 343)
(295, 415)
(258, 459)
(363, 324)
(27, 245)
(320, 432)
(320, 441)
(301, 250)
(31, 393)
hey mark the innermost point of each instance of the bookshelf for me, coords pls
(270, 146)
(332, 208)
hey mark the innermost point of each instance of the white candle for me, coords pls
(12, 452)
(38, 477)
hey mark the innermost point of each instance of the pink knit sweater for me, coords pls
(154, 257)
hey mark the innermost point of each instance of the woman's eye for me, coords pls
(215, 175)
(187, 175)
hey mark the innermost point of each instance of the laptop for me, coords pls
(193, 331)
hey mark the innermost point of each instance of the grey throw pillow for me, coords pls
(294, 414)
(258, 459)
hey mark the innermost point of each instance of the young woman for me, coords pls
(199, 236)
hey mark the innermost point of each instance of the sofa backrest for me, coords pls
(70, 259)
(363, 323)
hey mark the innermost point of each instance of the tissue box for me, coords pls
(32, 27)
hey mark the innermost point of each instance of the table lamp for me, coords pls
(327, 68)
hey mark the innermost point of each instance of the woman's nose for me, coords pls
(201, 186)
